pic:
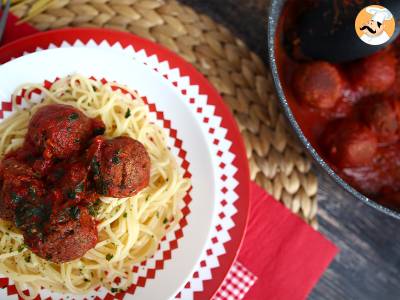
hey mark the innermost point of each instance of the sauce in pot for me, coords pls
(349, 112)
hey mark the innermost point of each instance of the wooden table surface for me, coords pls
(368, 266)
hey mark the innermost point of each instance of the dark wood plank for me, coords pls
(369, 262)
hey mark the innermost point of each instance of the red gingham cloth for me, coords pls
(236, 284)
(281, 258)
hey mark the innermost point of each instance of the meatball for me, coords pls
(69, 183)
(19, 187)
(374, 74)
(28, 155)
(382, 116)
(68, 235)
(60, 131)
(121, 167)
(349, 144)
(318, 84)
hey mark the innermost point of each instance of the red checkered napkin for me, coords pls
(236, 284)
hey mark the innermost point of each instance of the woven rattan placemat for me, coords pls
(277, 161)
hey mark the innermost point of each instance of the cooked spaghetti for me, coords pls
(129, 229)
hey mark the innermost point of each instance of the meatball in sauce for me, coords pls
(68, 235)
(114, 160)
(19, 184)
(60, 131)
(318, 84)
(349, 144)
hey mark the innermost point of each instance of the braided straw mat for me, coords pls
(277, 161)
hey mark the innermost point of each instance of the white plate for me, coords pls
(197, 143)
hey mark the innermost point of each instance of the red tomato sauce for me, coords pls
(350, 113)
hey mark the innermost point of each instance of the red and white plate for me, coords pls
(193, 259)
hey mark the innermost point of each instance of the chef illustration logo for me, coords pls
(375, 25)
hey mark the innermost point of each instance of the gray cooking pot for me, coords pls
(274, 14)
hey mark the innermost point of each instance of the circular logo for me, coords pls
(375, 25)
